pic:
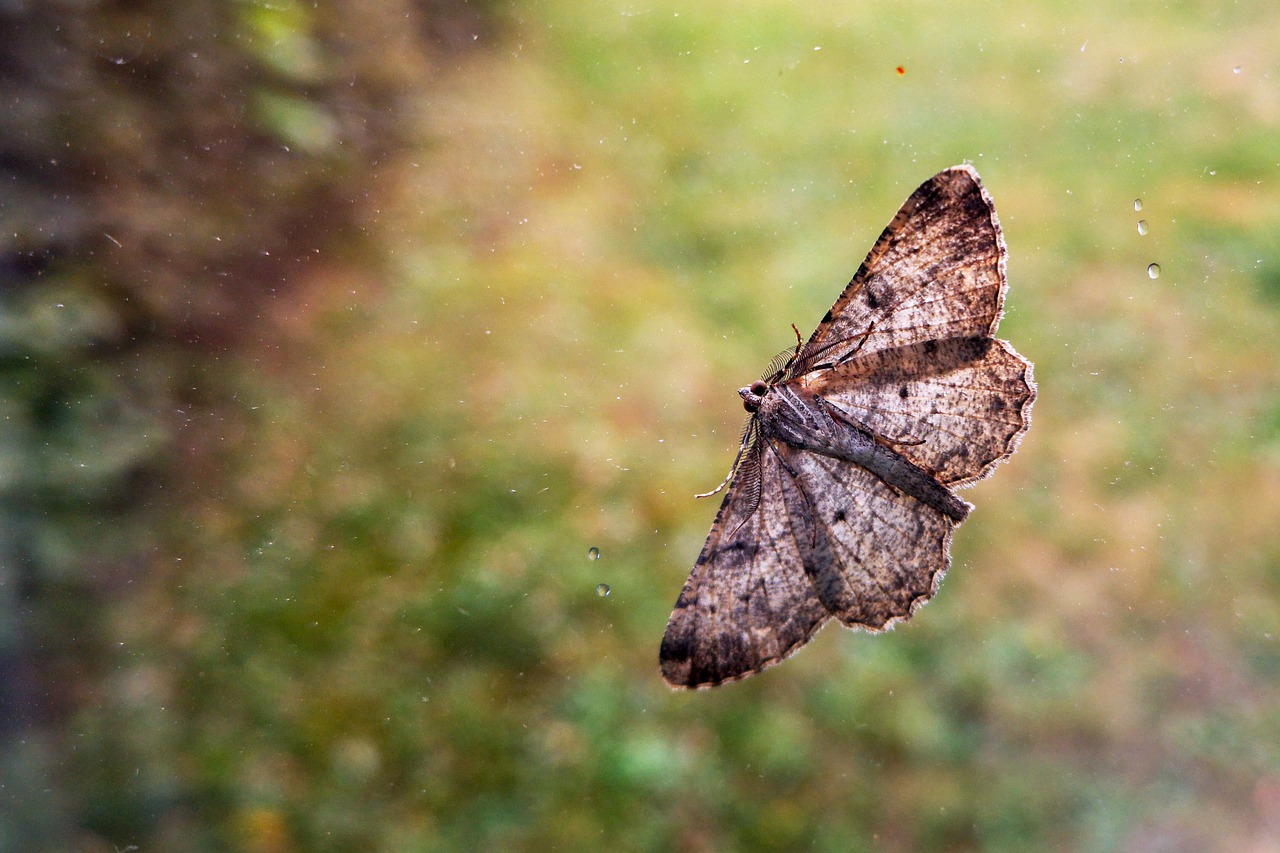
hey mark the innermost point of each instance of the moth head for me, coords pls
(753, 394)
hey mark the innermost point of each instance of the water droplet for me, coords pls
(1137, 204)
(1142, 227)
(593, 553)
(1236, 70)
(1153, 270)
(603, 590)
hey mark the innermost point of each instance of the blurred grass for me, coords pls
(370, 621)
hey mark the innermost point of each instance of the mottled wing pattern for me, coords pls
(747, 603)
(956, 408)
(907, 356)
(874, 554)
(937, 271)
(907, 348)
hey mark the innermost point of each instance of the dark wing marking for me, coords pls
(956, 408)
(906, 352)
(747, 603)
(937, 272)
(874, 554)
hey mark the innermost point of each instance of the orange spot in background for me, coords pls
(901, 71)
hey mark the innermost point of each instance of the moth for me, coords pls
(840, 502)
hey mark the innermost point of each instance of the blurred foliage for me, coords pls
(334, 338)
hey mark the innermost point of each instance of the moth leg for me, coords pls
(785, 369)
(720, 488)
(897, 442)
(862, 340)
(838, 414)
(808, 363)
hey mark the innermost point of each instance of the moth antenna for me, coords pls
(720, 488)
(737, 461)
(733, 469)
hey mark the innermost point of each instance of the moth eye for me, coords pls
(750, 406)
(759, 388)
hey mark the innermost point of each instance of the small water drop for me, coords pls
(1153, 270)
(1137, 204)
(1236, 70)
(603, 590)
(1142, 227)
(593, 553)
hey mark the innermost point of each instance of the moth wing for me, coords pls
(747, 603)
(937, 272)
(907, 349)
(955, 408)
(874, 554)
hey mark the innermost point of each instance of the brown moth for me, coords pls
(840, 501)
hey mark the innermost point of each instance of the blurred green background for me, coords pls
(333, 336)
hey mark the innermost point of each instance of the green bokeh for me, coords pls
(357, 610)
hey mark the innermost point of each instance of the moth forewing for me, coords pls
(840, 501)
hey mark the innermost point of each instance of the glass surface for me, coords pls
(359, 363)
